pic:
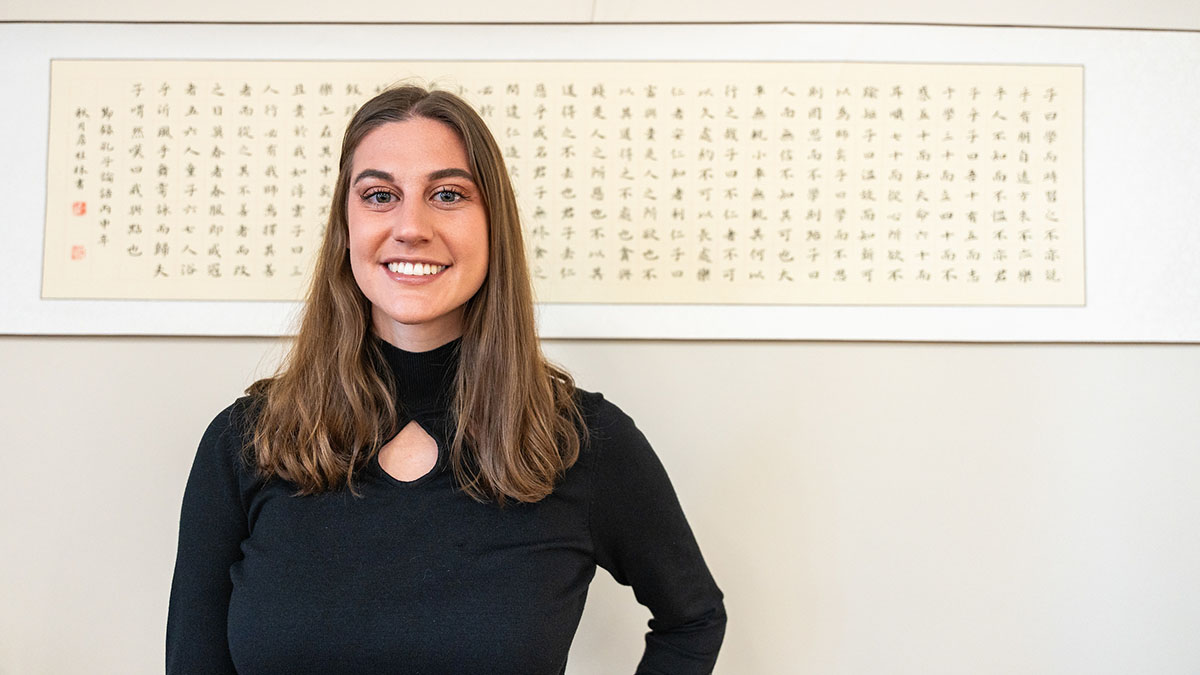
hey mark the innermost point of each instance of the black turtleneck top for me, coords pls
(416, 577)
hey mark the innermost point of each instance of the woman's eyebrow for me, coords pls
(436, 175)
(373, 173)
(447, 173)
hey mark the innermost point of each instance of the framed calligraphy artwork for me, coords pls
(639, 182)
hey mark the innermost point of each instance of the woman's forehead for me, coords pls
(418, 144)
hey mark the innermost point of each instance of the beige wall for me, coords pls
(867, 507)
(1163, 14)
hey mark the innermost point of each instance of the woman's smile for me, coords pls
(410, 269)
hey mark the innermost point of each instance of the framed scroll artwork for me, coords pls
(639, 182)
(909, 190)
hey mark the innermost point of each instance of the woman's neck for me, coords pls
(424, 379)
(419, 337)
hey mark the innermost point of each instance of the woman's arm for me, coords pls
(642, 538)
(212, 526)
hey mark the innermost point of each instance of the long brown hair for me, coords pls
(330, 406)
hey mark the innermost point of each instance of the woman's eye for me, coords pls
(380, 197)
(446, 196)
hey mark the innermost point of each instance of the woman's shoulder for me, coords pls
(236, 420)
(221, 484)
(229, 436)
(610, 430)
(599, 412)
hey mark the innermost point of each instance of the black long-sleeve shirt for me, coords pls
(416, 577)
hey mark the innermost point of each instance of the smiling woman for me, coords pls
(418, 232)
(418, 490)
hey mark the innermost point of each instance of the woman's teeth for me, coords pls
(414, 269)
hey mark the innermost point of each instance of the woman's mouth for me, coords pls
(415, 269)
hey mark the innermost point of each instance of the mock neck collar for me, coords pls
(424, 380)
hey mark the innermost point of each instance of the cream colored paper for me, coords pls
(639, 182)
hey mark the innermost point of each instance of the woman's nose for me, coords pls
(412, 223)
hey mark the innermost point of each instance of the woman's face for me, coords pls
(418, 231)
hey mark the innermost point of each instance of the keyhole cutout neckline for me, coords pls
(424, 384)
(411, 455)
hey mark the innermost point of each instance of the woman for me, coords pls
(418, 490)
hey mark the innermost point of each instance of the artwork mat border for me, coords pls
(1117, 309)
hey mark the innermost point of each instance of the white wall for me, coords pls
(1161, 14)
(867, 507)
